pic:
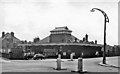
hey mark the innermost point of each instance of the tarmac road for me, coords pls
(46, 66)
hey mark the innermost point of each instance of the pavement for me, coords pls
(111, 62)
(3, 60)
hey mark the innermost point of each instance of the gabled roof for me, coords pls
(8, 35)
(45, 40)
(16, 39)
(73, 38)
(65, 28)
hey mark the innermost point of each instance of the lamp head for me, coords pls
(92, 10)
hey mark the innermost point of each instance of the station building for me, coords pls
(62, 41)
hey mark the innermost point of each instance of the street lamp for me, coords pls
(106, 19)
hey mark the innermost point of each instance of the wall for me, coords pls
(9, 44)
(88, 51)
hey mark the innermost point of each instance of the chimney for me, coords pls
(83, 39)
(95, 41)
(12, 33)
(3, 34)
(75, 39)
(86, 38)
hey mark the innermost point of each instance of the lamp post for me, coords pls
(106, 19)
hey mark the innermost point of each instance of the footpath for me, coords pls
(112, 62)
(3, 60)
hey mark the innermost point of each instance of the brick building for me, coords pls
(61, 40)
(60, 35)
(63, 35)
(8, 41)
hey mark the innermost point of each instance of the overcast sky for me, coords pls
(35, 18)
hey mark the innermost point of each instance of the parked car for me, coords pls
(38, 56)
(28, 56)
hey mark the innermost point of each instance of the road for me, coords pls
(89, 65)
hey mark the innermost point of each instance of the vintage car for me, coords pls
(39, 56)
(28, 56)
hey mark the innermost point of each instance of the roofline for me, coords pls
(60, 30)
(52, 44)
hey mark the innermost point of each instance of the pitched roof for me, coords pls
(73, 38)
(8, 35)
(16, 39)
(65, 28)
(45, 40)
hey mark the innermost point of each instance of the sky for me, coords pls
(36, 18)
